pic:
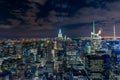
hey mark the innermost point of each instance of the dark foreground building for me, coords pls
(98, 66)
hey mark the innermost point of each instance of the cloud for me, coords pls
(5, 27)
(105, 18)
(46, 16)
(42, 2)
(88, 14)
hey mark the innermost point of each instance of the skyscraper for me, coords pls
(60, 34)
(98, 66)
(95, 35)
(115, 61)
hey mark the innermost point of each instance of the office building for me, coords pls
(98, 66)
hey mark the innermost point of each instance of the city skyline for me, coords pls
(43, 18)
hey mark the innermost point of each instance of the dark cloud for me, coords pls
(42, 2)
(41, 17)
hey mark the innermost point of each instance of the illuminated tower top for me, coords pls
(60, 34)
(95, 35)
(59, 31)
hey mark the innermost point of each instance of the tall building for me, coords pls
(115, 61)
(98, 66)
(95, 35)
(88, 48)
(60, 34)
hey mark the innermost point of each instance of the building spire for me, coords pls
(93, 27)
(60, 34)
(59, 31)
(93, 30)
(114, 32)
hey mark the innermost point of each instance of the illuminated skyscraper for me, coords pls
(95, 35)
(55, 45)
(60, 34)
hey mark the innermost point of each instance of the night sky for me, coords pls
(43, 18)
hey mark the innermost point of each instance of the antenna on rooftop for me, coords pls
(93, 27)
(114, 32)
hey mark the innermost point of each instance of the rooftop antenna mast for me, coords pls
(93, 30)
(93, 27)
(114, 32)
